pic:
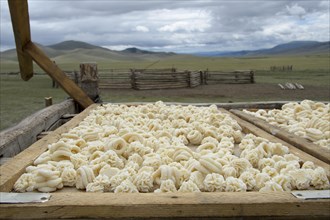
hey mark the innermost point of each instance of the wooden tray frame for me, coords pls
(78, 204)
(299, 142)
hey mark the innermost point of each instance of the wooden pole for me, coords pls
(57, 74)
(20, 20)
(89, 80)
(48, 101)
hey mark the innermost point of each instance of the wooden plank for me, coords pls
(4, 160)
(237, 105)
(57, 74)
(169, 205)
(19, 13)
(22, 135)
(10, 171)
(301, 143)
(250, 128)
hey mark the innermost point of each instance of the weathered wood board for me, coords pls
(21, 26)
(71, 203)
(19, 137)
(301, 143)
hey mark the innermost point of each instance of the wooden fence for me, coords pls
(239, 76)
(171, 78)
(115, 78)
(281, 68)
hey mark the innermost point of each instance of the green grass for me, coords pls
(317, 77)
(300, 63)
(18, 99)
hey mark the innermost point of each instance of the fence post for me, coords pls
(76, 77)
(48, 101)
(133, 79)
(89, 80)
(188, 75)
(206, 76)
(201, 77)
(252, 76)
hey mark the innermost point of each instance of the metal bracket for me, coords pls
(24, 197)
(312, 194)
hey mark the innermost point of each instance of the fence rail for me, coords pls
(141, 79)
(216, 77)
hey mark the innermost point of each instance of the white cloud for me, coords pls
(193, 25)
(119, 47)
(141, 28)
(296, 10)
(185, 26)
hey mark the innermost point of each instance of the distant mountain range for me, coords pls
(77, 51)
(288, 49)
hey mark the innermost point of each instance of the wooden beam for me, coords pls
(20, 20)
(15, 139)
(57, 74)
(213, 205)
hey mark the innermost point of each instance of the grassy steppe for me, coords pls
(19, 99)
(308, 62)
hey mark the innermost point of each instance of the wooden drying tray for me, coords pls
(71, 203)
(299, 142)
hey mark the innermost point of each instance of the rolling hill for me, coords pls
(288, 49)
(77, 51)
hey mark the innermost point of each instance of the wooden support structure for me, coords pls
(21, 27)
(301, 143)
(28, 51)
(57, 74)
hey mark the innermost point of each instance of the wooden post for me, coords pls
(76, 77)
(252, 76)
(202, 77)
(188, 75)
(89, 80)
(133, 79)
(206, 76)
(19, 13)
(48, 101)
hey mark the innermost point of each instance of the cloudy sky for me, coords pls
(173, 25)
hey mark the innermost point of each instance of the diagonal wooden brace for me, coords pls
(28, 51)
(57, 74)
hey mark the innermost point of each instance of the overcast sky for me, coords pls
(173, 25)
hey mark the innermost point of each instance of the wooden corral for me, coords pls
(281, 68)
(236, 77)
(71, 203)
(142, 79)
(160, 80)
(115, 78)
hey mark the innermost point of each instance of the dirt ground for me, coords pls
(219, 93)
